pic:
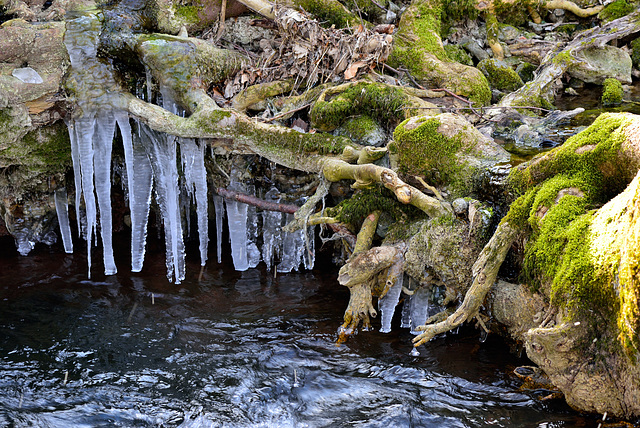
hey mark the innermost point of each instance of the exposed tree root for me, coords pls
(485, 271)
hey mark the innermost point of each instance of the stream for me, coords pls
(232, 349)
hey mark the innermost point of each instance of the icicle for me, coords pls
(309, 251)
(387, 305)
(271, 230)
(419, 308)
(195, 176)
(85, 128)
(292, 249)
(139, 178)
(237, 221)
(102, 142)
(62, 209)
(405, 318)
(218, 203)
(253, 253)
(161, 149)
(77, 176)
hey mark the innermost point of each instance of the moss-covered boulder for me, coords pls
(363, 130)
(612, 92)
(582, 255)
(595, 64)
(447, 150)
(418, 46)
(500, 75)
(617, 9)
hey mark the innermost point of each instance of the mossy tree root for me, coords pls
(367, 274)
(485, 271)
(369, 174)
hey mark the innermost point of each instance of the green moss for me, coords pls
(367, 8)
(458, 10)
(425, 151)
(46, 149)
(329, 12)
(525, 71)
(612, 92)
(457, 54)
(513, 13)
(353, 211)
(615, 10)
(635, 52)
(500, 75)
(384, 104)
(359, 128)
(187, 13)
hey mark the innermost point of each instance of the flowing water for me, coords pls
(232, 349)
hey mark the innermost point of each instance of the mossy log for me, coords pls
(540, 92)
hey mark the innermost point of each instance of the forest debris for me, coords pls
(309, 54)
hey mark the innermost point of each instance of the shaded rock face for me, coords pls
(598, 64)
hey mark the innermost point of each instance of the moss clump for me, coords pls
(513, 13)
(454, 11)
(329, 12)
(382, 103)
(635, 53)
(615, 10)
(525, 71)
(500, 75)
(362, 130)
(422, 150)
(353, 211)
(612, 92)
(45, 150)
(188, 13)
(457, 54)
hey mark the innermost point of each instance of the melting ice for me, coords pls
(152, 164)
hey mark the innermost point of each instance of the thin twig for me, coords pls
(223, 13)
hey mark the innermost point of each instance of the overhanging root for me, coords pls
(485, 271)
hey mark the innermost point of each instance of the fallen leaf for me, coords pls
(352, 70)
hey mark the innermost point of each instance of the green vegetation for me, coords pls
(612, 92)
(617, 9)
(558, 193)
(500, 75)
(424, 151)
(382, 103)
(353, 210)
(329, 12)
(457, 54)
(635, 53)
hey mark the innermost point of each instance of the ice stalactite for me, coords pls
(271, 231)
(218, 203)
(387, 305)
(195, 177)
(296, 249)
(419, 308)
(162, 152)
(62, 210)
(140, 180)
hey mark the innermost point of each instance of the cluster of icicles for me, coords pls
(151, 164)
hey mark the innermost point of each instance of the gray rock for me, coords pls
(596, 64)
(460, 206)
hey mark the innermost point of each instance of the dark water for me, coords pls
(232, 350)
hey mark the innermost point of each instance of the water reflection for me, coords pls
(233, 350)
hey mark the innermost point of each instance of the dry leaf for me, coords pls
(352, 70)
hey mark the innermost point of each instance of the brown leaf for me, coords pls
(352, 70)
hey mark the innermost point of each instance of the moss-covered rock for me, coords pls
(525, 71)
(635, 53)
(500, 75)
(329, 12)
(417, 46)
(457, 54)
(612, 92)
(617, 9)
(363, 130)
(385, 104)
(598, 63)
(447, 150)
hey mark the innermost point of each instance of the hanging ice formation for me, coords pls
(387, 305)
(151, 163)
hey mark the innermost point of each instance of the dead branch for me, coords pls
(256, 202)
